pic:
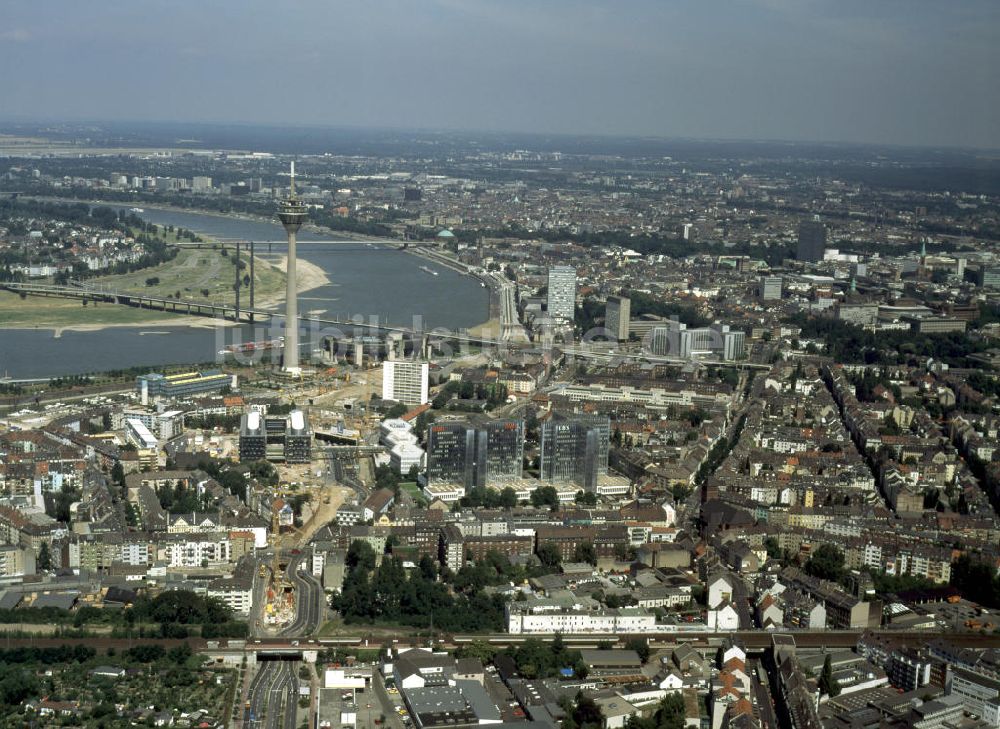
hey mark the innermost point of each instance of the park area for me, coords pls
(142, 685)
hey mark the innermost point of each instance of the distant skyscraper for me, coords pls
(574, 449)
(201, 184)
(616, 317)
(770, 288)
(812, 241)
(405, 382)
(562, 292)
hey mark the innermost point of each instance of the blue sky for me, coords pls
(922, 72)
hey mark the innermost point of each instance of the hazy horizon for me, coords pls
(896, 72)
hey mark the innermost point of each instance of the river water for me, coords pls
(367, 280)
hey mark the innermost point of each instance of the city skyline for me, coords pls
(912, 74)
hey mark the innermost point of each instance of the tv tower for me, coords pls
(292, 215)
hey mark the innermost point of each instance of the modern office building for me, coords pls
(298, 438)
(404, 456)
(561, 302)
(276, 438)
(139, 435)
(475, 454)
(616, 317)
(987, 277)
(201, 184)
(165, 425)
(253, 438)
(770, 288)
(979, 693)
(861, 314)
(155, 385)
(405, 382)
(812, 241)
(734, 342)
(574, 449)
(934, 324)
(674, 339)
(451, 451)
(500, 451)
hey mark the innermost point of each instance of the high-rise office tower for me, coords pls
(499, 452)
(812, 241)
(292, 215)
(770, 288)
(451, 451)
(561, 302)
(616, 317)
(405, 382)
(201, 184)
(475, 455)
(574, 449)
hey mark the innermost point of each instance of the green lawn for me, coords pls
(54, 313)
(412, 489)
(198, 273)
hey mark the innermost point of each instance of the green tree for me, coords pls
(481, 650)
(827, 683)
(545, 496)
(361, 555)
(118, 473)
(508, 498)
(549, 554)
(640, 646)
(584, 552)
(180, 654)
(396, 411)
(428, 569)
(772, 547)
(44, 560)
(827, 563)
(586, 714)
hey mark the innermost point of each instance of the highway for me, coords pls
(273, 696)
(310, 600)
(510, 326)
(273, 693)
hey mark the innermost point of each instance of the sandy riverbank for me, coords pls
(154, 327)
(308, 276)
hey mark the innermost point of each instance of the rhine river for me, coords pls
(366, 279)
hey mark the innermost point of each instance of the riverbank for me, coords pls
(308, 276)
(35, 312)
(247, 217)
(369, 278)
(192, 275)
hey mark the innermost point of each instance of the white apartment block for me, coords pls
(522, 619)
(561, 297)
(196, 550)
(237, 595)
(405, 382)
